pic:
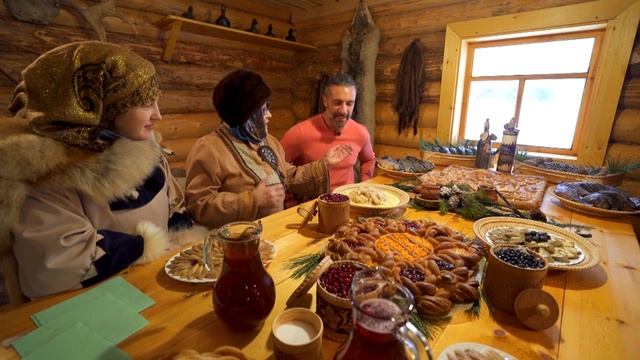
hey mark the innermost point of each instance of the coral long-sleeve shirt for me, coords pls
(310, 139)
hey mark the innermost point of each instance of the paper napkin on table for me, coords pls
(77, 342)
(135, 299)
(108, 314)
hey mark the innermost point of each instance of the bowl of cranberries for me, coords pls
(332, 301)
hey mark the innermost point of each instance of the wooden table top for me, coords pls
(599, 307)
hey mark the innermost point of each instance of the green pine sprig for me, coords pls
(304, 264)
(429, 327)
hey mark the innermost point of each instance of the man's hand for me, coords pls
(337, 153)
(269, 196)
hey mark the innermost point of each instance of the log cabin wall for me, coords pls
(187, 80)
(625, 135)
(402, 21)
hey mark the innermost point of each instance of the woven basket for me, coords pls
(555, 176)
(503, 282)
(335, 311)
(443, 159)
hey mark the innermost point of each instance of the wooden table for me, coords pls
(599, 308)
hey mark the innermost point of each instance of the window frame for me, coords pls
(618, 18)
(589, 75)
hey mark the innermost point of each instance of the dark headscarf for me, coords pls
(238, 99)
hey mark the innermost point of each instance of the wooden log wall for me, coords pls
(187, 80)
(625, 136)
(399, 24)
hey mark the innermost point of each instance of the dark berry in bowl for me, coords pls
(337, 279)
(519, 257)
(334, 198)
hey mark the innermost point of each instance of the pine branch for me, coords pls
(567, 225)
(429, 327)
(304, 264)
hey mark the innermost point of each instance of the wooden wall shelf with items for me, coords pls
(174, 24)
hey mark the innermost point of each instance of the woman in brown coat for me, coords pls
(239, 172)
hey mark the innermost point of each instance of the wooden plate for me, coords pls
(588, 209)
(394, 197)
(556, 176)
(589, 257)
(266, 247)
(396, 174)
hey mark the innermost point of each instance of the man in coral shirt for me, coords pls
(310, 139)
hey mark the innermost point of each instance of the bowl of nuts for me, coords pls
(332, 301)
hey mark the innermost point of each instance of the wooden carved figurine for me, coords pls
(483, 153)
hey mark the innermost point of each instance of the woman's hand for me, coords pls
(269, 196)
(337, 153)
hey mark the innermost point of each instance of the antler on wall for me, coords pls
(95, 14)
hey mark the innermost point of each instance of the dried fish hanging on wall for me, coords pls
(409, 86)
(316, 94)
(359, 53)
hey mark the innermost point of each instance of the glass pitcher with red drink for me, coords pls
(244, 293)
(381, 329)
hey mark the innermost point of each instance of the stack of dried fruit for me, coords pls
(429, 259)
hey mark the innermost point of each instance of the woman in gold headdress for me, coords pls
(84, 189)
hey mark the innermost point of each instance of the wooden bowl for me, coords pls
(335, 311)
(503, 281)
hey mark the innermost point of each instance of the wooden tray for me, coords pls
(443, 159)
(588, 209)
(590, 253)
(555, 176)
(512, 186)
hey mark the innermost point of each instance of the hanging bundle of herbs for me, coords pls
(409, 86)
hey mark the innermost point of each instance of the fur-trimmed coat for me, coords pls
(70, 218)
(223, 172)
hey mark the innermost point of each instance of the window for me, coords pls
(618, 22)
(542, 81)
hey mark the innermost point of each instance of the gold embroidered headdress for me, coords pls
(74, 92)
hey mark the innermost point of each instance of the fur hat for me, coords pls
(72, 92)
(239, 95)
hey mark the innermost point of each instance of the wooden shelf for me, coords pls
(174, 24)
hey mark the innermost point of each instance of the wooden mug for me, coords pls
(332, 215)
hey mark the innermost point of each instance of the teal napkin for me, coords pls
(128, 294)
(77, 342)
(106, 316)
